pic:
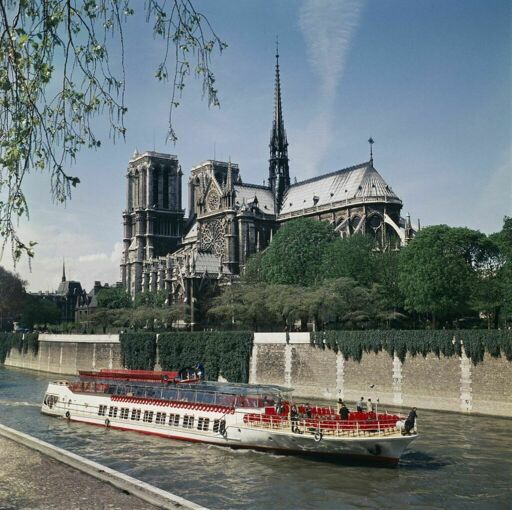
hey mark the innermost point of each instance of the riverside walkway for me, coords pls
(31, 479)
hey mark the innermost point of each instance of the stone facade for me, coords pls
(153, 219)
(445, 383)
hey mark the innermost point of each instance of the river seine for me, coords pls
(459, 461)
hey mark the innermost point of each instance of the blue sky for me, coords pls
(430, 81)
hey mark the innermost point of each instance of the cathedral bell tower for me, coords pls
(279, 172)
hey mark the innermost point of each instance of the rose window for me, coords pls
(212, 237)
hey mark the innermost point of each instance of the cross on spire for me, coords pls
(371, 141)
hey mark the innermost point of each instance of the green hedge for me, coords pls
(222, 353)
(352, 344)
(138, 350)
(22, 342)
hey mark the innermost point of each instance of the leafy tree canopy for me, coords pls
(438, 269)
(296, 253)
(351, 257)
(114, 297)
(61, 65)
(12, 294)
(38, 310)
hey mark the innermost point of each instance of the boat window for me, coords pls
(160, 418)
(203, 423)
(216, 425)
(102, 410)
(148, 416)
(174, 419)
(135, 414)
(124, 413)
(188, 422)
(112, 412)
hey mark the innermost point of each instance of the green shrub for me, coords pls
(222, 353)
(138, 350)
(23, 342)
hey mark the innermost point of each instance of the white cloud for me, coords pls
(327, 27)
(87, 260)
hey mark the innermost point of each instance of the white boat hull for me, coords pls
(84, 407)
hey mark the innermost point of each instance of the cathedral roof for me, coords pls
(355, 184)
(69, 288)
(247, 192)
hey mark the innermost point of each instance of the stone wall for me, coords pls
(445, 383)
(67, 354)
(452, 383)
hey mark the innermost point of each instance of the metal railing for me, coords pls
(348, 428)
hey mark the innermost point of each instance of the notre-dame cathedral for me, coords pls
(229, 220)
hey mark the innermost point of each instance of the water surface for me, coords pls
(459, 461)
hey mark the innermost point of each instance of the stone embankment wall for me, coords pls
(446, 383)
(67, 354)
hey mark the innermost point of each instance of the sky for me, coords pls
(429, 80)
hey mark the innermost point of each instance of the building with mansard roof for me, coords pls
(189, 256)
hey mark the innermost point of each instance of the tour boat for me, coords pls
(182, 406)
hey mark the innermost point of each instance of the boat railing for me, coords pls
(382, 425)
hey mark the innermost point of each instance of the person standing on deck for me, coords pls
(411, 421)
(360, 405)
(344, 412)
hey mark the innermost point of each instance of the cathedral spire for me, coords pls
(63, 271)
(279, 174)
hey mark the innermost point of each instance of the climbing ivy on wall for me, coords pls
(352, 344)
(138, 350)
(222, 353)
(23, 342)
(476, 342)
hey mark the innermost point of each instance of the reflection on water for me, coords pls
(458, 462)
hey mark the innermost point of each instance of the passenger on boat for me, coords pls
(307, 410)
(344, 412)
(340, 404)
(294, 418)
(411, 419)
(360, 405)
(279, 406)
(200, 371)
(369, 406)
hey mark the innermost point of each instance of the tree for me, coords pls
(438, 270)
(503, 269)
(296, 252)
(351, 257)
(113, 298)
(38, 310)
(151, 299)
(12, 295)
(57, 74)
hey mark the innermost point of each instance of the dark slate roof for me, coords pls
(352, 183)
